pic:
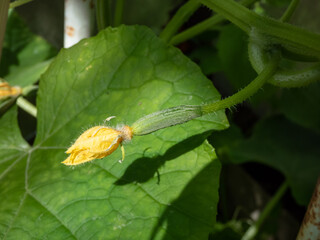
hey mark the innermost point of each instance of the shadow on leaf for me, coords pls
(143, 169)
(192, 214)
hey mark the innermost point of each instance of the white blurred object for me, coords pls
(78, 21)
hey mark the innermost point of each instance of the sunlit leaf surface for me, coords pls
(167, 187)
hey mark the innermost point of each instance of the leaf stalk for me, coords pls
(27, 106)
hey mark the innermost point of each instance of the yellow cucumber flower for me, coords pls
(97, 142)
(8, 91)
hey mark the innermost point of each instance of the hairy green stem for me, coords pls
(118, 13)
(246, 92)
(282, 78)
(19, 3)
(203, 26)
(181, 114)
(4, 6)
(27, 106)
(292, 38)
(179, 18)
(235, 13)
(298, 57)
(296, 78)
(254, 229)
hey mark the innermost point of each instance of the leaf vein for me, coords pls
(49, 211)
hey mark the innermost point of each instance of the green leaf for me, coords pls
(17, 36)
(13, 155)
(167, 186)
(302, 106)
(299, 105)
(287, 147)
(26, 76)
(29, 53)
(5, 104)
(33, 61)
(37, 50)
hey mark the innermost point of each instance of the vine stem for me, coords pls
(292, 38)
(179, 18)
(246, 92)
(181, 114)
(203, 26)
(27, 106)
(118, 13)
(254, 229)
(283, 78)
(103, 14)
(289, 11)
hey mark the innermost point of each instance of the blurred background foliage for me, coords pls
(274, 136)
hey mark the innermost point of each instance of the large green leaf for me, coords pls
(13, 155)
(167, 187)
(279, 143)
